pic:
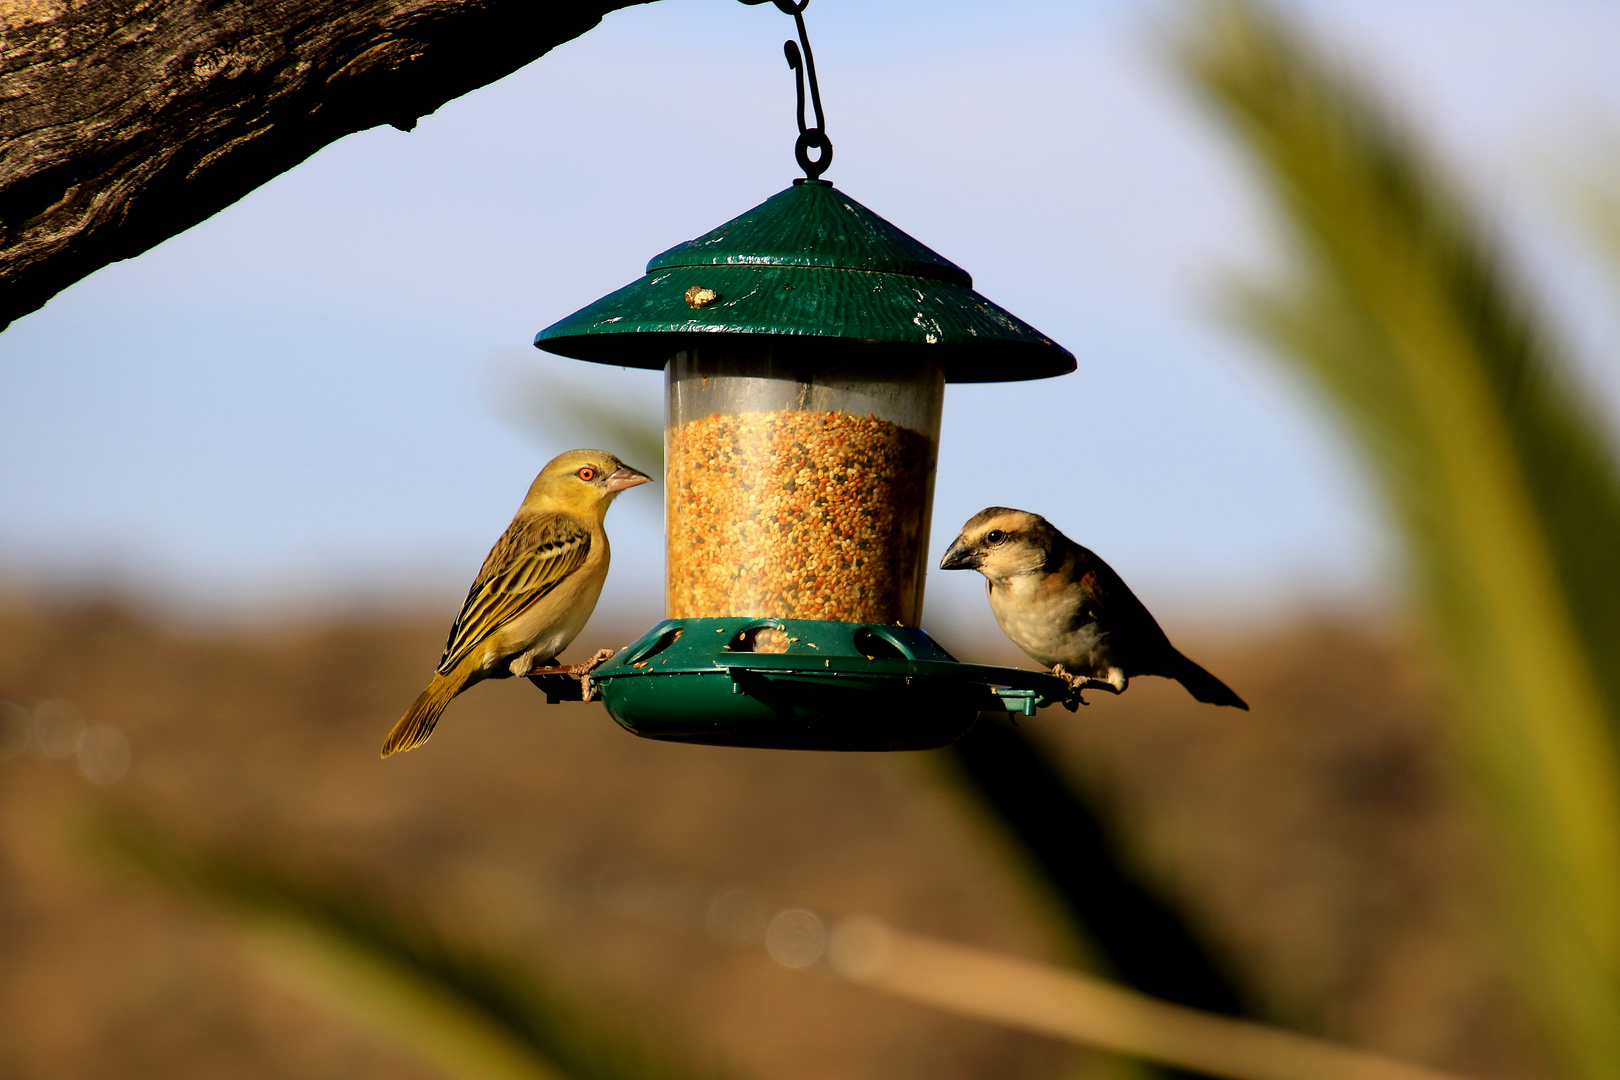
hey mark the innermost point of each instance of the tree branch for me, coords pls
(124, 122)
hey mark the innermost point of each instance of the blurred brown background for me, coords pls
(1316, 842)
(278, 408)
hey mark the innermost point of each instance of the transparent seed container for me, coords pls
(800, 481)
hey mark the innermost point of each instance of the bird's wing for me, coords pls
(1109, 598)
(531, 558)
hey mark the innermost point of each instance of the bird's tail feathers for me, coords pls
(1203, 686)
(418, 722)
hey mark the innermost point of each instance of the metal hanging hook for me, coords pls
(810, 137)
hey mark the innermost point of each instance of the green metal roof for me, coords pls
(809, 262)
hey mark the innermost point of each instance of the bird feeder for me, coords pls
(806, 346)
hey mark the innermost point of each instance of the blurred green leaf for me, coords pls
(1116, 920)
(1500, 476)
(1602, 205)
(474, 1014)
(540, 402)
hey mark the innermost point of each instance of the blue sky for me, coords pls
(312, 398)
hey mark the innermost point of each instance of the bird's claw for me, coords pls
(1078, 683)
(587, 689)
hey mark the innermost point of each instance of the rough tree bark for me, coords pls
(124, 122)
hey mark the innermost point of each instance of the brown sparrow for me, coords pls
(1067, 608)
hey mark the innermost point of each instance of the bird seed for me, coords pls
(797, 515)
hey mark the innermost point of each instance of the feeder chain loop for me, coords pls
(810, 138)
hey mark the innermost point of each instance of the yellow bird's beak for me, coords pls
(626, 477)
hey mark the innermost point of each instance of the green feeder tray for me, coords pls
(837, 686)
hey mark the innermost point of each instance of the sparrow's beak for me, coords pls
(959, 556)
(626, 477)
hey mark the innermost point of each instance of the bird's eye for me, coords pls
(587, 474)
(995, 536)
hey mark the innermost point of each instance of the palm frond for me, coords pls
(1602, 206)
(1115, 918)
(546, 404)
(475, 1014)
(1502, 480)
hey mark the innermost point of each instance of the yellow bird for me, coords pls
(536, 590)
